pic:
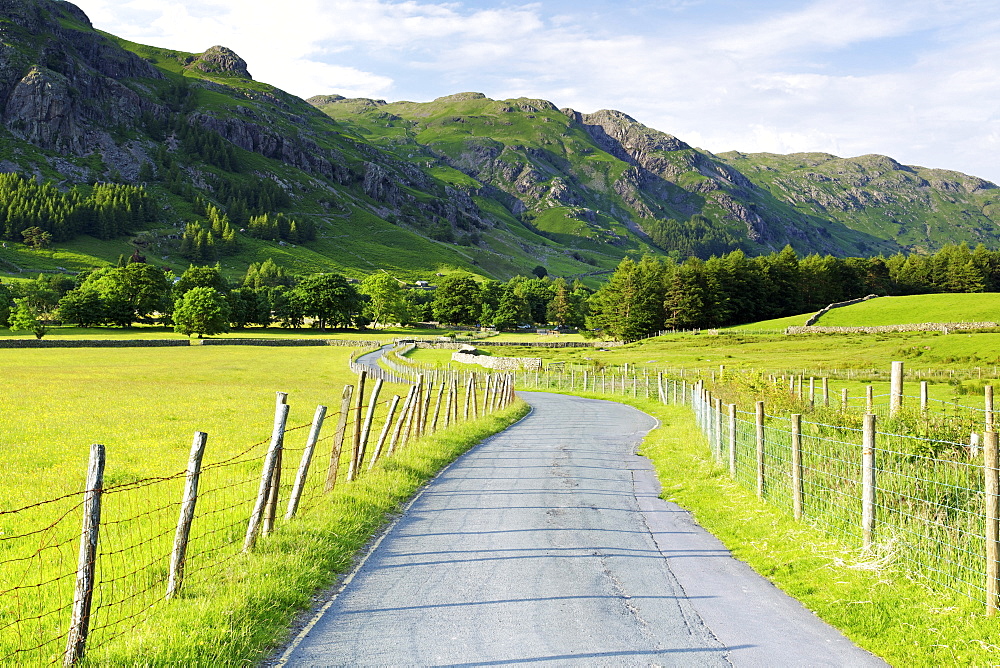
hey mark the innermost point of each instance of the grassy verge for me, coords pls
(167, 332)
(881, 609)
(920, 350)
(245, 612)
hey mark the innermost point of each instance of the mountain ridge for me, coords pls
(463, 182)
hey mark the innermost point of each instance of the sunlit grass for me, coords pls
(238, 617)
(144, 405)
(881, 609)
(960, 307)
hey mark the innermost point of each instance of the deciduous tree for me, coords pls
(201, 311)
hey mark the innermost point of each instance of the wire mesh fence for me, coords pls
(928, 504)
(136, 543)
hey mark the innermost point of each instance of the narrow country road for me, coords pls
(547, 544)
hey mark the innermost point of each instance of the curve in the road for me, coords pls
(547, 544)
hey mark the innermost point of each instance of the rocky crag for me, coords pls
(494, 186)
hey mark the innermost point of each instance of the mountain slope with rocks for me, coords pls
(464, 182)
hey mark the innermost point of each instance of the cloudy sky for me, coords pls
(918, 80)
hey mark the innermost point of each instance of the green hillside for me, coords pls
(494, 187)
(921, 209)
(914, 309)
(197, 130)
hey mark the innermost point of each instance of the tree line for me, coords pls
(200, 300)
(652, 294)
(642, 296)
(105, 210)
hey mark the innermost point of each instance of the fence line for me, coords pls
(918, 504)
(874, 490)
(155, 537)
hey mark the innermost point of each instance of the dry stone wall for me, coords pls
(819, 314)
(944, 327)
(498, 363)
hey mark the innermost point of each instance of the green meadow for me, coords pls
(910, 309)
(959, 307)
(144, 405)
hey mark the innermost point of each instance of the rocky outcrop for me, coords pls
(68, 90)
(221, 60)
(293, 150)
(757, 228)
(625, 138)
(40, 111)
(380, 186)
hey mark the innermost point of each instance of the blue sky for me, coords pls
(918, 80)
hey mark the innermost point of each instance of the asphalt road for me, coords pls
(547, 544)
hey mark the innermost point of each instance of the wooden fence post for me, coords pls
(896, 389)
(732, 440)
(271, 508)
(437, 407)
(826, 391)
(401, 422)
(83, 594)
(717, 428)
(923, 396)
(338, 438)
(178, 556)
(797, 466)
(385, 431)
(868, 482)
(359, 403)
(449, 404)
(843, 399)
(488, 392)
(307, 454)
(812, 392)
(988, 407)
(869, 399)
(418, 418)
(468, 397)
(409, 432)
(759, 422)
(991, 493)
(266, 478)
(475, 395)
(425, 409)
(369, 417)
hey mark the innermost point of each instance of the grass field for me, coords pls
(161, 332)
(775, 324)
(879, 608)
(144, 405)
(971, 307)
(816, 352)
(911, 309)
